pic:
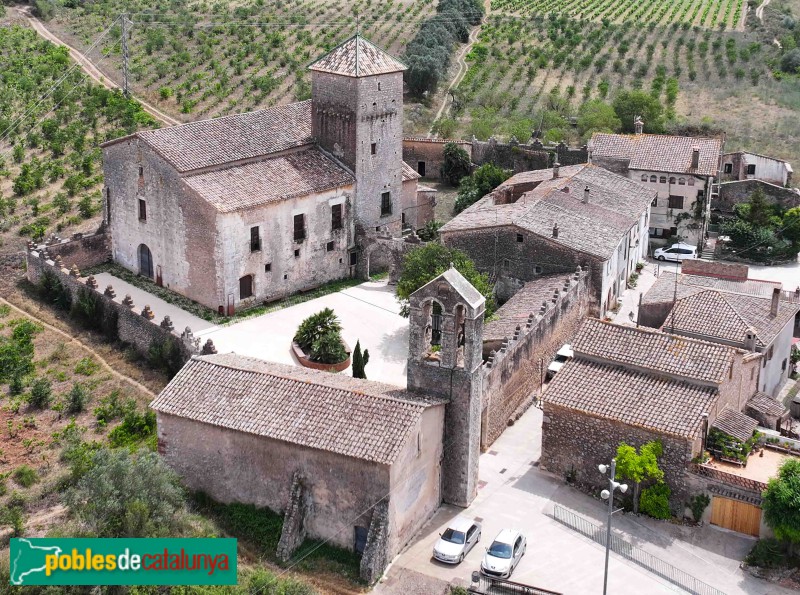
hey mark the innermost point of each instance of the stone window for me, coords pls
(255, 239)
(728, 168)
(672, 180)
(268, 267)
(653, 179)
(379, 85)
(675, 202)
(386, 203)
(690, 181)
(783, 365)
(373, 148)
(681, 181)
(537, 270)
(140, 183)
(142, 210)
(752, 373)
(353, 259)
(329, 247)
(644, 177)
(108, 204)
(662, 179)
(751, 169)
(520, 238)
(297, 253)
(299, 228)
(246, 287)
(285, 276)
(336, 217)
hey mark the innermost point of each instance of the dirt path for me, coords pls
(87, 66)
(462, 66)
(760, 10)
(84, 346)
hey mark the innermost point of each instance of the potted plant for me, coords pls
(318, 342)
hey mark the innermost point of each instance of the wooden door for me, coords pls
(735, 515)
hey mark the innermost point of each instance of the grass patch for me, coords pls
(135, 428)
(25, 476)
(210, 315)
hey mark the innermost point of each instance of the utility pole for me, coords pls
(125, 54)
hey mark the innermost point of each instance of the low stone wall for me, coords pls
(82, 250)
(702, 478)
(711, 268)
(733, 193)
(135, 324)
(513, 375)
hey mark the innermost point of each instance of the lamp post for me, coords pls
(608, 494)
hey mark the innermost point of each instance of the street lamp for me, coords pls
(609, 495)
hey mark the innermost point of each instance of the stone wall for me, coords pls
(712, 268)
(735, 192)
(135, 324)
(82, 250)
(513, 376)
(576, 443)
(430, 153)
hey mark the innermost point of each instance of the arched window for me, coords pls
(246, 287)
(691, 181)
(436, 324)
(672, 180)
(644, 177)
(663, 179)
(653, 179)
(145, 261)
(681, 181)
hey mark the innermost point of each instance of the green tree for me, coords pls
(596, 115)
(41, 393)
(360, 361)
(457, 163)
(640, 466)
(760, 211)
(781, 504)
(16, 352)
(427, 262)
(790, 62)
(482, 181)
(629, 104)
(128, 494)
(791, 226)
(77, 398)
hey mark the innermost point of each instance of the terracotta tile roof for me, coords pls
(659, 152)
(262, 182)
(352, 417)
(423, 139)
(651, 350)
(664, 287)
(727, 316)
(210, 143)
(766, 404)
(525, 302)
(638, 399)
(409, 173)
(735, 423)
(615, 205)
(357, 57)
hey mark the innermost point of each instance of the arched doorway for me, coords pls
(145, 261)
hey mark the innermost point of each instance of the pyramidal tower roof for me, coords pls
(357, 57)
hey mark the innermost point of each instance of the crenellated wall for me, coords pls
(514, 373)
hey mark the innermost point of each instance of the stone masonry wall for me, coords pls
(513, 376)
(573, 442)
(135, 323)
(733, 193)
(713, 268)
(429, 151)
(82, 250)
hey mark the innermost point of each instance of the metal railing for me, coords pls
(630, 552)
(487, 585)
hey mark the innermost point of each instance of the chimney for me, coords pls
(586, 195)
(556, 165)
(750, 340)
(695, 157)
(638, 124)
(776, 300)
(555, 230)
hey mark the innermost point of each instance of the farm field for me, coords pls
(201, 59)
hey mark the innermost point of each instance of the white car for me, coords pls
(504, 554)
(563, 355)
(676, 252)
(457, 540)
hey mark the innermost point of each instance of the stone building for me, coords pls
(635, 385)
(721, 305)
(551, 221)
(680, 169)
(256, 206)
(741, 165)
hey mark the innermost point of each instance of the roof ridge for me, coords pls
(643, 330)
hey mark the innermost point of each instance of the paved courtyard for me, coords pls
(517, 495)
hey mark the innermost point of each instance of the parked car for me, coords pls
(504, 554)
(676, 252)
(563, 355)
(457, 540)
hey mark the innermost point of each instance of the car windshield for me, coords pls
(453, 536)
(500, 550)
(560, 358)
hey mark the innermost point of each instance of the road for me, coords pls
(88, 67)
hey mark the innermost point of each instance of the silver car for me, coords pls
(457, 540)
(504, 554)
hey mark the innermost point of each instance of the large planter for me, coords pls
(306, 362)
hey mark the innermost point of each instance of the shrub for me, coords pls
(790, 62)
(482, 181)
(430, 232)
(165, 356)
(77, 398)
(41, 393)
(654, 501)
(316, 325)
(86, 366)
(112, 407)
(360, 361)
(127, 494)
(456, 165)
(25, 476)
(135, 428)
(698, 505)
(767, 553)
(328, 349)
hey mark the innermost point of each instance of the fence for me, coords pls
(487, 585)
(630, 552)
